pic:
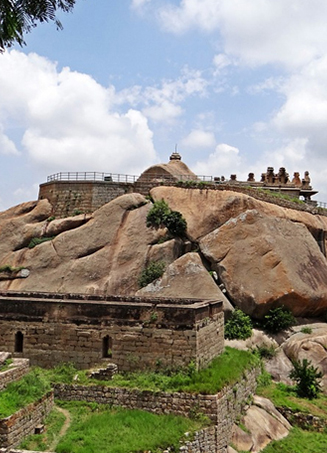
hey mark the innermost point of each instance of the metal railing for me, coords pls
(116, 177)
(321, 204)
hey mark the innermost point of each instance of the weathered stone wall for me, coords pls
(17, 370)
(87, 196)
(141, 334)
(222, 409)
(70, 197)
(14, 428)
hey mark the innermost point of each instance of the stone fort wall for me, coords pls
(135, 333)
(71, 197)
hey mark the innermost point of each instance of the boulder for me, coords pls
(205, 209)
(106, 254)
(186, 277)
(258, 338)
(266, 262)
(311, 346)
(263, 424)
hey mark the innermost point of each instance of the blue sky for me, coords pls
(239, 85)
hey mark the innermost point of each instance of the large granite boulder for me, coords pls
(102, 253)
(186, 277)
(311, 346)
(265, 261)
(263, 424)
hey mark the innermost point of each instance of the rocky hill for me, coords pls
(261, 255)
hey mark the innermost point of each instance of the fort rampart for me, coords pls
(134, 333)
(72, 197)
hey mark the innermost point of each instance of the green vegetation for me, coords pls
(160, 215)
(286, 396)
(239, 326)
(278, 319)
(95, 428)
(10, 269)
(307, 379)
(153, 271)
(280, 196)
(6, 364)
(307, 330)
(36, 241)
(41, 442)
(226, 369)
(265, 351)
(23, 392)
(299, 441)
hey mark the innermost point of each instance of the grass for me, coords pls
(36, 241)
(23, 392)
(299, 441)
(285, 396)
(6, 364)
(8, 268)
(226, 369)
(95, 429)
(41, 442)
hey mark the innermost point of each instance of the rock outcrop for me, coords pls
(263, 255)
(263, 424)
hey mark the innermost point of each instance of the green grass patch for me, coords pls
(299, 441)
(23, 392)
(226, 369)
(41, 442)
(10, 269)
(36, 241)
(95, 429)
(286, 396)
(6, 364)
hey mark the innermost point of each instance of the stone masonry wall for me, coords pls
(14, 428)
(17, 370)
(87, 196)
(222, 409)
(136, 335)
(70, 197)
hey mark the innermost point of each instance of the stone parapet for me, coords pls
(16, 371)
(16, 427)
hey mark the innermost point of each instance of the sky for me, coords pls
(237, 85)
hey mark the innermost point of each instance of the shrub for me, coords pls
(307, 330)
(157, 214)
(307, 378)
(278, 319)
(175, 223)
(153, 271)
(265, 351)
(239, 326)
(160, 215)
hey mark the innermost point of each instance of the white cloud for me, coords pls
(7, 146)
(69, 119)
(161, 103)
(139, 3)
(224, 161)
(258, 32)
(199, 139)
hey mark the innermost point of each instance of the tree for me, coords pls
(18, 17)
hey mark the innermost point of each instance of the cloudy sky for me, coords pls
(238, 85)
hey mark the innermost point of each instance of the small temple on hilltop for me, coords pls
(84, 192)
